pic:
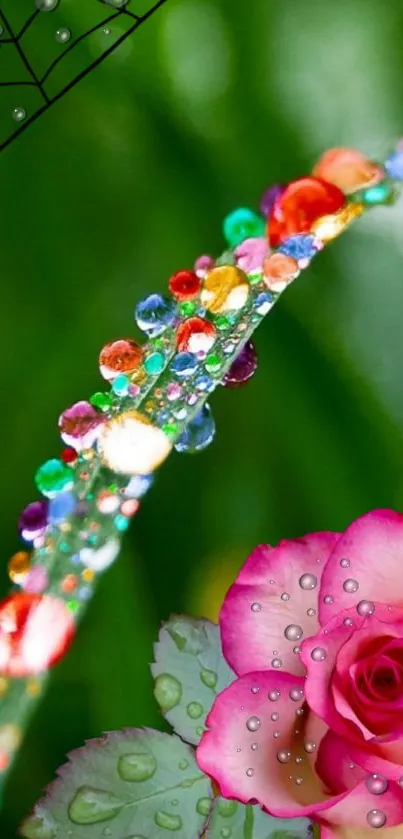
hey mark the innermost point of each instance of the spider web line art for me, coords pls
(13, 38)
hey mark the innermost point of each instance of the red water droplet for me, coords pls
(184, 285)
(302, 202)
(122, 356)
(195, 335)
(35, 632)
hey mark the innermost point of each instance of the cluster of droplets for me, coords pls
(197, 337)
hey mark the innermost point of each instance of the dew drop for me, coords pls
(107, 832)
(199, 730)
(276, 734)
(91, 805)
(250, 772)
(350, 586)
(275, 716)
(283, 756)
(168, 821)
(183, 763)
(299, 781)
(209, 678)
(194, 710)
(300, 712)
(376, 818)
(318, 654)
(255, 689)
(293, 632)
(167, 691)
(225, 832)
(377, 784)
(328, 599)
(274, 695)
(226, 808)
(253, 723)
(348, 622)
(296, 650)
(256, 607)
(365, 607)
(254, 746)
(345, 563)
(106, 30)
(308, 582)
(276, 663)
(203, 806)
(311, 613)
(63, 35)
(46, 5)
(18, 114)
(296, 694)
(137, 767)
(310, 746)
(285, 596)
(299, 760)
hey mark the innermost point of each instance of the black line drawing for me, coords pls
(115, 10)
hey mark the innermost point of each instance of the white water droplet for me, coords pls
(365, 607)
(328, 599)
(285, 595)
(296, 694)
(274, 695)
(310, 746)
(350, 586)
(293, 632)
(283, 756)
(63, 35)
(348, 622)
(274, 716)
(256, 607)
(377, 784)
(253, 723)
(276, 663)
(376, 818)
(308, 582)
(250, 772)
(311, 613)
(345, 563)
(276, 734)
(318, 654)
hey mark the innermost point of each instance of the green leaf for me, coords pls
(128, 784)
(231, 819)
(189, 671)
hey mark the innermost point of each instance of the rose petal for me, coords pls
(227, 751)
(267, 598)
(373, 547)
(361, 833)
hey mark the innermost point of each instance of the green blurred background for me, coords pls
(128, 179)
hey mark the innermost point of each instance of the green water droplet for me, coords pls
(107, 832)
(199, 731)
(183, 764)
(194, 710)
(91, 805)
(203, 806)
(188, 638)
(169, 821)
(167, 691)
(209, 678)
(35, 828)
(227, 808)
(187, 783)
(174, 802)
(137, 767)
(225, 832)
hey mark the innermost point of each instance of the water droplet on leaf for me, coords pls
(194, 710)
(167, 691)
(137, 767)
(203, 806)
(62, 35)
(209, 678)
(168, 821)
(91, 805)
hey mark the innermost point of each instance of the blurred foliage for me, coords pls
(124, 181)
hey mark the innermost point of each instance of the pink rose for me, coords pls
(313, 726)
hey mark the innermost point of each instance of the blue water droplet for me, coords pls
(198, 434)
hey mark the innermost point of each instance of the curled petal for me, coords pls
(273, 604)
(365, 565)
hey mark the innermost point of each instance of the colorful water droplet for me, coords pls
(53, 476)
(225, 289)
(184, 285)
(242, 224)
(26, 645)
(198, 434)
(154, 314)
(130, 445)
(33, 520)
(243, 368)
(302, 202)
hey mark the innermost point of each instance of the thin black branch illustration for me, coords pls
(39, 82)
